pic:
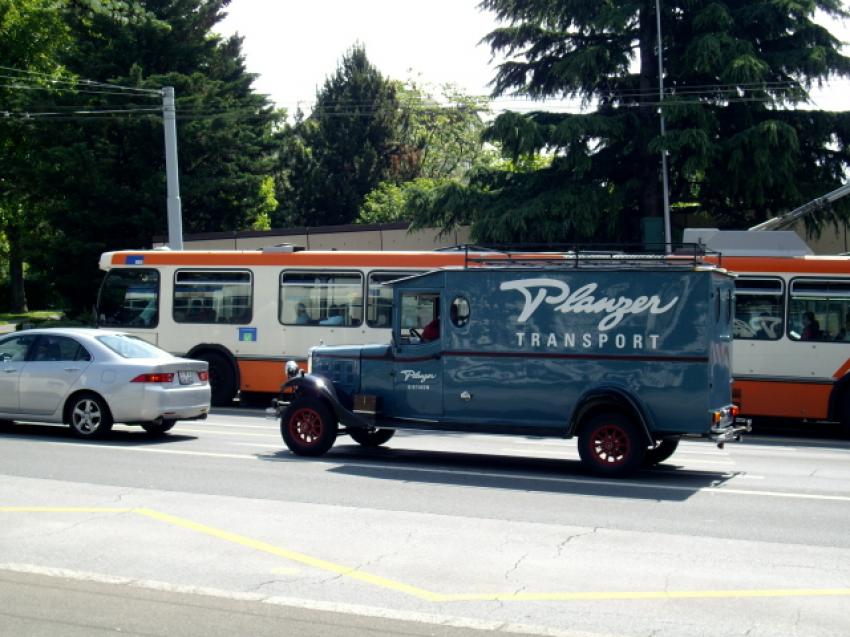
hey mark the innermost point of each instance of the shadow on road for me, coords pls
(492, 471)
(122, 437)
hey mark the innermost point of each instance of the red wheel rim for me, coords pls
(305, 425)
(609, 445)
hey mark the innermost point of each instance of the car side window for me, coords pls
(15, 349)
(59, 348)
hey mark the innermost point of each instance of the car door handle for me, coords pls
(10, 370)
(72, 369)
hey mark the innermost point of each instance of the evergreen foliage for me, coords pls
(739, 147)
(331, 160)
(101, 178)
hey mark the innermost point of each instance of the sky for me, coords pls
(295, 45)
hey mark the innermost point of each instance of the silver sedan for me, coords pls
(90, 378)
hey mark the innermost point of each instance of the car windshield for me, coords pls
(131, 347)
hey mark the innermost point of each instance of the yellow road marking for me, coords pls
(424, 594)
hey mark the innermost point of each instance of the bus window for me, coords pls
(321, 298)
(379, 311)
(212, 296)
(818, 310)
(129, 298)
(758, 309)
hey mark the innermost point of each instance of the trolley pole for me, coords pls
(175, 218)
(667, 233)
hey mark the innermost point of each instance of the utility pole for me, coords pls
(175, 217)
(667, 238)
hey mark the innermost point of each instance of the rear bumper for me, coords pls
(731, 431)
(159, 403)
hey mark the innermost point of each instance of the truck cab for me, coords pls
(628, 356)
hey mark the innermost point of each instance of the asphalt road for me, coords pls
(217, 529)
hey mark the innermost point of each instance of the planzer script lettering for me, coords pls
(582, 300)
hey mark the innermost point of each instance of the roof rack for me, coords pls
(589, 255)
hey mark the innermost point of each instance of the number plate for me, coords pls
(186, 378)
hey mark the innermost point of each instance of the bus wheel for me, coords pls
(610, 444)
(663, 450)
(844, 412)
(370, 438)
(308, 427)
(222, 378)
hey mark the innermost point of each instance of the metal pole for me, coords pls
(175, 219)
(667, 237)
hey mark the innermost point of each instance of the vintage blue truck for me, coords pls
(627, 355)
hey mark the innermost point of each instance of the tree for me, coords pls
(104, 174)
(734, 74)
(343, 150)
(31, 34)
(438, 142)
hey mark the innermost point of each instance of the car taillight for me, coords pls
(153, 378)
(204, 376)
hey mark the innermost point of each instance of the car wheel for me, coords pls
(370, 438)
(610, 444)
(158, 428)
(88, 416)
(222, 378)
(660, 452)
(308, 427)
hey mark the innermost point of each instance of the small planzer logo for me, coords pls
(412, 375)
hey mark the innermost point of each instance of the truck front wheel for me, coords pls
(308, 427)
(610, 444)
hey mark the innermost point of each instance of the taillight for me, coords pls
(153, 378)
(204, 376)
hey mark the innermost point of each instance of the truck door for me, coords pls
(417, 359)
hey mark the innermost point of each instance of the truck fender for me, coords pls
(323, 389)
(609, 397)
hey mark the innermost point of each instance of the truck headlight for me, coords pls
(292, 369)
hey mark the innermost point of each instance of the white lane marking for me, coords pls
(272, 426)
(492, 626)
(178, 452)
(225, 433)
(281, 446)
(511, 476)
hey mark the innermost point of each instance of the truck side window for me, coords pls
(459, 311)
(420, 317)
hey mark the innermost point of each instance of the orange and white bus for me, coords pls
(247, 312)
(791, 357)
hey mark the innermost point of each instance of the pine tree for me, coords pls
(105, 175)
(739, 147)
(344, 149)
